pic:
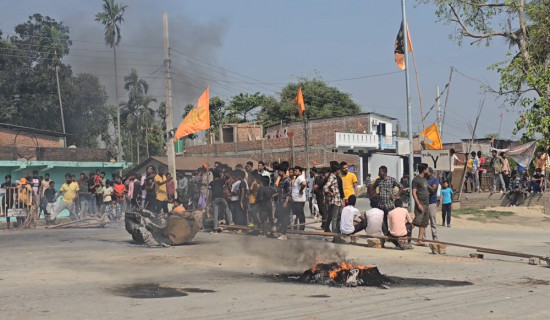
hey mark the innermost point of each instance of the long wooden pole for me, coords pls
(453, 244)
(448, 88)
(419, 92)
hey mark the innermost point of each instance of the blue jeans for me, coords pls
(92, 204)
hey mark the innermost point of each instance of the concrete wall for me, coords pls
(485, 200)
(15, 137)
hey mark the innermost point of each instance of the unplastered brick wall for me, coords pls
(13, 137)
(53, 154)
(318, 128)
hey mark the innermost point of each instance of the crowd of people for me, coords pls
(507, 176)
(274, 200)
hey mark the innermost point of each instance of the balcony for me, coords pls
(356, 141)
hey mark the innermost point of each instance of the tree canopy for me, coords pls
(524, 71)
(28, 93)
(320, 99)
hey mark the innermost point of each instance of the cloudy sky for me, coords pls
(247, 46)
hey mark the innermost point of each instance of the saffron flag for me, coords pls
(300, 100)
(197, 119)
(432, 133)
(399, 47)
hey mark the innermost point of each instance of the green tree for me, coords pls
(320, 99)
(54, 43)
(87, 111)
(137, 114)
(243, 104)
(524, 72)
(112, 17)
(28, 94)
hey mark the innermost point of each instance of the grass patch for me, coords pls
(480, 215)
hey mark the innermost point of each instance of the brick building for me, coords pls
(12, 135)
(348, 138)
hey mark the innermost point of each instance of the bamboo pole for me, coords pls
(453, 244)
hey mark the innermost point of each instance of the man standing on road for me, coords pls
(70, 191)
(496, 165)
(82, 195)
(433, 185)
(262, 171)
(334, 200)
(421, 198)
(386, 197)
(349, 181)
(161, 192)
(282, 209)
(9, 197)
(299, 196)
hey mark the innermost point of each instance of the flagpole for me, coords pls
(409, 111)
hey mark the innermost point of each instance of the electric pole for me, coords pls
(170, 152)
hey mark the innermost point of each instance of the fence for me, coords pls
(15, 201)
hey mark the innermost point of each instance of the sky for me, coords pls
(259, 46)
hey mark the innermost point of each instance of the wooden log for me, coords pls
(72, 222)
(480, 249)
(511, 254)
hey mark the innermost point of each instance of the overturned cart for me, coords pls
(146, 228)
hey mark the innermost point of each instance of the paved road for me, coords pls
(79, 274)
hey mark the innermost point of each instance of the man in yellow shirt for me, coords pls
(349, 181)
(161, 192)
(70, 191)
(24, 194)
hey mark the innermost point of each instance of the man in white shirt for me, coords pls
(351, 221)
(299, 196)
(375, 219)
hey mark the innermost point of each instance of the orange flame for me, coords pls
(345, 266)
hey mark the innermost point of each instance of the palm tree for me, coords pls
(111, 18)
(139, 114)
(55, 44)
(142, 116)
(135, 86)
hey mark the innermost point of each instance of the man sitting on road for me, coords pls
(400, 224)
(351, 220)
(375, 219)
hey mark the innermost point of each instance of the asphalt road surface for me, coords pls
(101, 274)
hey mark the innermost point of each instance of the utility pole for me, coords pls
(448, 88)
(170, 152)
(438, 114)
(409, 111)
(61, 103)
